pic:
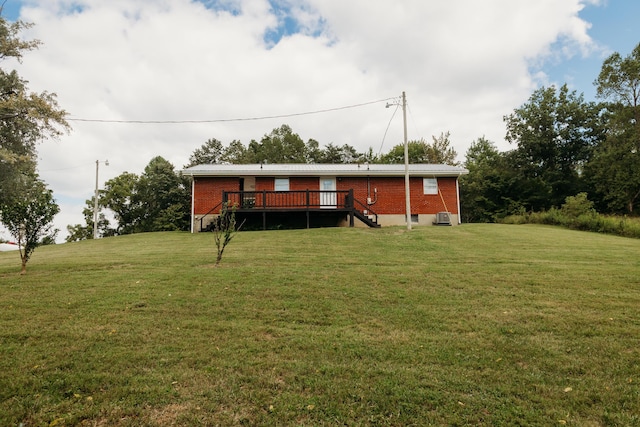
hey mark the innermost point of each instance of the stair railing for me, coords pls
(364, 208)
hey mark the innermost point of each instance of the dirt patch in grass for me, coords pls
(169, 415)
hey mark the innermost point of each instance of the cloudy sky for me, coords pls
(142, 78)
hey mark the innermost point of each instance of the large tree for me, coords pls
(163, 198)
(438, 152)
(119, 196)
(339, 154)
(282, 145)
(619, 81)
(210, 152)
(29, 217)
(236, 153)
(615, 169)
(157, 200)
(25, 117)
(555, 133)
(313, 152)
(483, 191)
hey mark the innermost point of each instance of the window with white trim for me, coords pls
(430, 185)
(281, 184)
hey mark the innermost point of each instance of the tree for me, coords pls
(282, 145)
(313, 152)
(224, 229)
(210, 152)
(162, 198)
(555, 132)
(614, 172)
(119, 196)
(619, 81)
(25, 117)
(417, 153)
(79, 232)
(482, 190)
(157, 200)
(438, 152)
(236, 153)
(339, 154)
(615, 169)
(29, 217)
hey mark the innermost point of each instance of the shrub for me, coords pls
(577, 213)
(575, 206)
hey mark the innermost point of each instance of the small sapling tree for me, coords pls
(224, 228)
(29, 218)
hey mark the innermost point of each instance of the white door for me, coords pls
(328, 199)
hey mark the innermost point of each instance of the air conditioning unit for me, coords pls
(443, 218)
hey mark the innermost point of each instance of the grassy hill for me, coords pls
(470, 325)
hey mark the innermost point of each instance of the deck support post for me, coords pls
(349, 204)
(308, 208)
(264, 212)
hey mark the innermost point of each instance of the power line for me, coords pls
(77, 119)
(387, 129)
(413, 119)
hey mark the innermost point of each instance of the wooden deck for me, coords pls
(309, 202)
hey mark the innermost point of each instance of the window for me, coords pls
(430, 185)
(281, 184)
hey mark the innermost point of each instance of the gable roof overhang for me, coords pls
(323, 169)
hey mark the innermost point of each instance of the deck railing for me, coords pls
(304, 199)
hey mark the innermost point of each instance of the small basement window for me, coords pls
(430, 185)
(414, 218)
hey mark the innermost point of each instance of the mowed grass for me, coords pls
(470, 325)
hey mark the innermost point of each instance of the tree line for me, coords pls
(283, 145)
(564, 147)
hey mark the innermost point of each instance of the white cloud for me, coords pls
(463, 63)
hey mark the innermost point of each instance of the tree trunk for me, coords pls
(633, 199)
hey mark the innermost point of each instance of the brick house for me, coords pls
(310, 195)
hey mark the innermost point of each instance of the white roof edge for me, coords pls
(289, 169)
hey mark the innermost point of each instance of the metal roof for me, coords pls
(316, 169)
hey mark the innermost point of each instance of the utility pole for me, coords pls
(95, 202)
(407, 193)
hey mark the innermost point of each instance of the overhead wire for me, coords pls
(413, 119)
(387, 129)
(241, 119)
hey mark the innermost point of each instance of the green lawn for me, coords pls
(471, 325)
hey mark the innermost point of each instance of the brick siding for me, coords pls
(208, 192)
(390, 194)
(391, 199)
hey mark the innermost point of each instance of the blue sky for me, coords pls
(615, 28)
(464, 65)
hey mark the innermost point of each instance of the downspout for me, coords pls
(458, 199)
